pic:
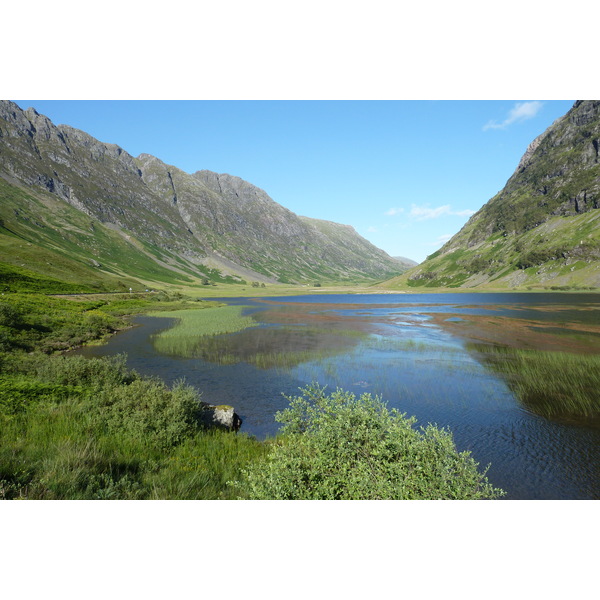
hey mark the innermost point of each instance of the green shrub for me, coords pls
(90, 372)
(342, 447)
(149, 411)
(10, 316)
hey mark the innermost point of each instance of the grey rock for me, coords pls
(219, 416)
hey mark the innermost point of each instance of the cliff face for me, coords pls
(203, 223)
(543, 228)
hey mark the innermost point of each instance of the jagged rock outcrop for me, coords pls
(542, 229)
(205, 219)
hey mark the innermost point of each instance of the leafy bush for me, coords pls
(342, 447)
(91, 372)
(10, 316)
(148, 410)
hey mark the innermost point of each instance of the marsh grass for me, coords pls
(207, 335)
(114, 435)
(551, 384)
(194, 326)
(223, 319)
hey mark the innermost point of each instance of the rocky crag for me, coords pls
(68, 193)
(542, 230)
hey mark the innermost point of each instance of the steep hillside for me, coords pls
(543, 229)
(65, 192)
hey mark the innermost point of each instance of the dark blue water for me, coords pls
(415, 365)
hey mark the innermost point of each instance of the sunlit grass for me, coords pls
(552, 384)
(183, 338)
(116, 437)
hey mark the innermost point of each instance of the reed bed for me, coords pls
(194, 325)
(552, 384)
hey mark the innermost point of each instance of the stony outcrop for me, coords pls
(542, 228)
(175, 215)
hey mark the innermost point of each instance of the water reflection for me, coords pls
(414, 350)
(264, 347)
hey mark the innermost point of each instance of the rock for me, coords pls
(221, 417)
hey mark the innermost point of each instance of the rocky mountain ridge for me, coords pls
(542, 230)
(199, 225)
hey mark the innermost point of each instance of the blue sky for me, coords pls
(405, 174)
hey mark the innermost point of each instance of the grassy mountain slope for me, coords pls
(542, 230)
(141, 217)
(43, 237)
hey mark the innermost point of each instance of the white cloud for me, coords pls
(372, 229)
(464, 213)
(441, 240)
(394, 211)
(422, 213)
(520, 112)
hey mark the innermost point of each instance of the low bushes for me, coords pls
(75, 428)
(340, 447)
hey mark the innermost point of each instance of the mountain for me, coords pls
(542, 230)
(407, 263)
(82, 210)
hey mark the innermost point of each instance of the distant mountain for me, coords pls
(108, 214)
(407, 263)
(543, 229)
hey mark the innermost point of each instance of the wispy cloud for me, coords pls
(444, 238)
(394, 211)
(422, 213)
(441, 240)
(372, 229)
(520, 112)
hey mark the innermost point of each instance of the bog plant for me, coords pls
(343, 447)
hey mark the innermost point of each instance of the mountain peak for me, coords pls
(189, 225)
(542, 227)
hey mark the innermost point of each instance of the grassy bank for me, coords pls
(72, 428)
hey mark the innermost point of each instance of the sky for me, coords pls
(406, 174)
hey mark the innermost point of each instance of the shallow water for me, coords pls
(415, 350)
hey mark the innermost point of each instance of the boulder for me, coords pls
(220, 416)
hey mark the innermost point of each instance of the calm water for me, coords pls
(410, 349)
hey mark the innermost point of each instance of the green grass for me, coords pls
(115, 435)
(556, 385)
(31, 321)
(194, 325)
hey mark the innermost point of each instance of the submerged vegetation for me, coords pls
(202, 335)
